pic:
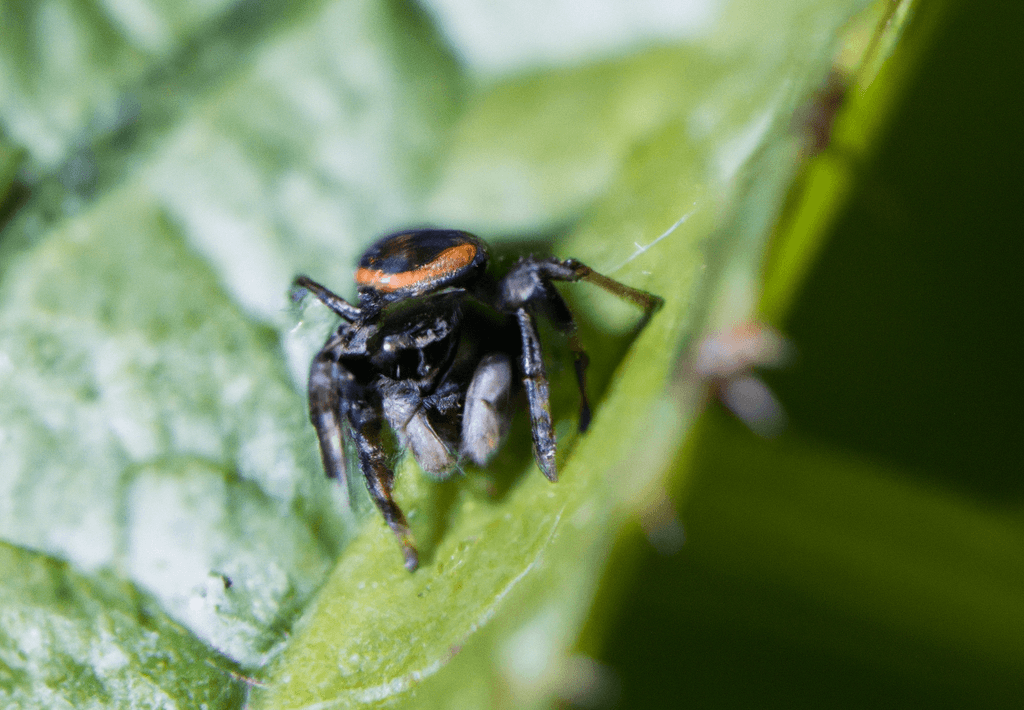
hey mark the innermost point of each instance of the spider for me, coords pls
(435, 349)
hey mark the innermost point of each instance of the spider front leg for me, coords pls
(581, 272)
(328, 382)
(330, 299)
(528, 286)
(380, 479)
(334, 396)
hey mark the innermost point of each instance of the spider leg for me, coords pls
(486, 416)
(581, 272)
(528, 287)
(573, 270)
(380, 479)
(536, 383)
(404, 410)
(330, 299)
(581, 361)
(524, 281)
(327, 379)
(551, 303)
(334, 395)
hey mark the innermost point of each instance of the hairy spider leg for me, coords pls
(528, 285)
(581, 272)
(486, 415)
(334, 394)
(537, 394)
(380, 479)
(330, 299)
(573, 270)
(647, 301)
(405, 412)
(325, 410)
(557, 311)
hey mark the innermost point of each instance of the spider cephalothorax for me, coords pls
(435, 349)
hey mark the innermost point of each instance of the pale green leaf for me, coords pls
(70, 642)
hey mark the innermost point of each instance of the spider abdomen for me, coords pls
(407, 264)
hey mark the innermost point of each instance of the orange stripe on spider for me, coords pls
(447, 262)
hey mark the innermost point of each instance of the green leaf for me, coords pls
(150, 428)
(66, 68)
(518, 163)
(153, 427)
(68, 641)
(10, 160)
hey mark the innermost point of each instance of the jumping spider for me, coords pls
(435, 348)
